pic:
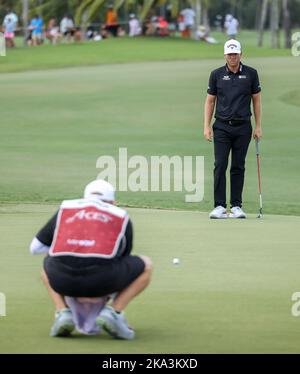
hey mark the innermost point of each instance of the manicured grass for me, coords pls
(55, 124)
(231, 292)
(126, 50)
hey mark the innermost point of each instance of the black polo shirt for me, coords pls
(233, 91)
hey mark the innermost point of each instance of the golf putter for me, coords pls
(259, 179)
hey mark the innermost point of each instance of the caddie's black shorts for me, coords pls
(97, 280)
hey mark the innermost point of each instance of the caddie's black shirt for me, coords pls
(233, 91)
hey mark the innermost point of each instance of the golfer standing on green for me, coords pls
(231, 88)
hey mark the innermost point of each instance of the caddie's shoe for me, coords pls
(237, 212)
(218, 212)
(63, 324)
(114, 324)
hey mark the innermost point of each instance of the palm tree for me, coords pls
(286, 23)
(263, 17)
(206, 4)
(90, 9)
(274, 23)
(25, 19)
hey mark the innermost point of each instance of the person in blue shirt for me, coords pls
(36, 27)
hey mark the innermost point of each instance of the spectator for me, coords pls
(77, 34)
(103, 32)
(145, 26)
(112, 21)
(29, 36)
(10, 24)
(36, 26)
(152, 26)
(231, 26)
(97, 37)
(9, 34)
(134, 26)
(169, 16)
(163, 27)
(121, 31)
(52, 32)
(90, 33)
(188, 20)
(67, 27)
(181, 26)
(10, 14)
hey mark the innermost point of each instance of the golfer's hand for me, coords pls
(208, 133)
(257, 133)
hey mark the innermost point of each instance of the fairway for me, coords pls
(125, 50)
(55, 124)
(231, 292)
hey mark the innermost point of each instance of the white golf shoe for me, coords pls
(115, 324)
(237, 212)
(218, 212)
(63, 324)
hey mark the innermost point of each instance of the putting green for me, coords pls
(231, 292)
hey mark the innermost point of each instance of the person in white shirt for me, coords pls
(134, 26)
(231, 26)
(10, 24)
(188, 20)
(67, 27)
(12, 16)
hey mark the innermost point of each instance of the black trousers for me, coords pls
(234, 137)
(93, 281)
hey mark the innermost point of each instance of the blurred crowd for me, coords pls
(66, 31)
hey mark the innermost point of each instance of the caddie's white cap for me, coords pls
(232, 46)
(100, 189)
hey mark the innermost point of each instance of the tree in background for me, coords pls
(276, 18)
(274, 24)
(287, 23)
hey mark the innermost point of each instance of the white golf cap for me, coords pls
(100, 189)
(232, 46)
